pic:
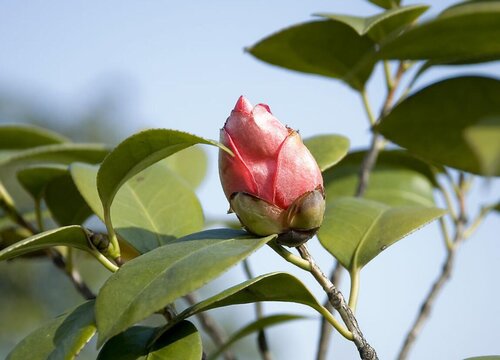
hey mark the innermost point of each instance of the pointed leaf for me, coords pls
(182, 341)
(431, 123)
(151, 209)
(13, 136)
(356, 230)
(34, 179)
(61, 338)
(328, 48)
(328, 150)
(73, 236)
(386, 4)
(379, 26)
(150, 282)
(253, 327)
(190, 164)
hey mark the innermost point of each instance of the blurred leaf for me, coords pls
(464, 34)
(180, 342)
(23, 137)
(255, 326)
(491, 357)
(484, 140)
(190, 164)
(151, 209)
(377, 27)
(328, 150)
(150, 282)
(65, 202)
(431, 123)
(386, 4)
(35, 179)
(356, 230)
(73, 236)
(328, 48)
(61, 338)
(398, 179)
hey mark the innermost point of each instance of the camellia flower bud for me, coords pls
(272, 182)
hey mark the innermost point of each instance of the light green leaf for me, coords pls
(34, 179)
(386, 4)
(465, 34)
(150, 282)
(255, 326)
(356, 230)
(190, 164)
(328, 150)
(151, 209)
(60, 339)
(73, 236)
(183, 341)
(13, 136)
(431, 123)
(398, 179)
(328, 48)
(379, 26)
(484, 140)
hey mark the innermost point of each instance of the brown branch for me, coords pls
(210, 326)
(366, 351)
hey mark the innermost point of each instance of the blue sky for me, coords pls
(181, 65)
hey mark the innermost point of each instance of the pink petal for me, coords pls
(243, 105)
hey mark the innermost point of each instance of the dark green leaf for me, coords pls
(386, 4)
(180, 342)
(464, 34)
(73, 236)
(377, 27)
(431, 123)
(328, 48)
(24, 137)
(328, 150)
(190, 164)
(150, 282)
(254, 326)
(62, 338)
(151, 209)
(356, 230)
(35, 179)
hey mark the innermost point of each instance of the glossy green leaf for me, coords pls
(13, 136)
(65, 203)
(484, 140)
(431, 123)
(60, 339)
(138, 152)
(386, 4)
(464, 34)
(151, 209)
(379, 26)
(190, 164)
(356, 230)
(35, 179)
(183, 341)
(253, 327)
(150, 282)
(73, 236)
(328, 48)
(328, 150)
(398, 179)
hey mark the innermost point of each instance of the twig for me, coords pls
(263, 346)
(210, 327)
(326, 329)
(366, 351)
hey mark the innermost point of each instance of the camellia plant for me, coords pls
(284, 190)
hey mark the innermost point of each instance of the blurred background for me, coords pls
(100, 71)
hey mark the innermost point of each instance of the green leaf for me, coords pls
(190, 164)
(65, 203)
(73, 236)
(150, 282)
(386, 4)
(431, 123)
(328, 48)
(491, 357)
(483, 139)
(328, 150)
(464, 34)
(379, 26)
(398, 179)
(356, 230)
(151, 209)
(254, 326)
(35, 179)
(183, 341)
(27, 136)
(61, 338)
